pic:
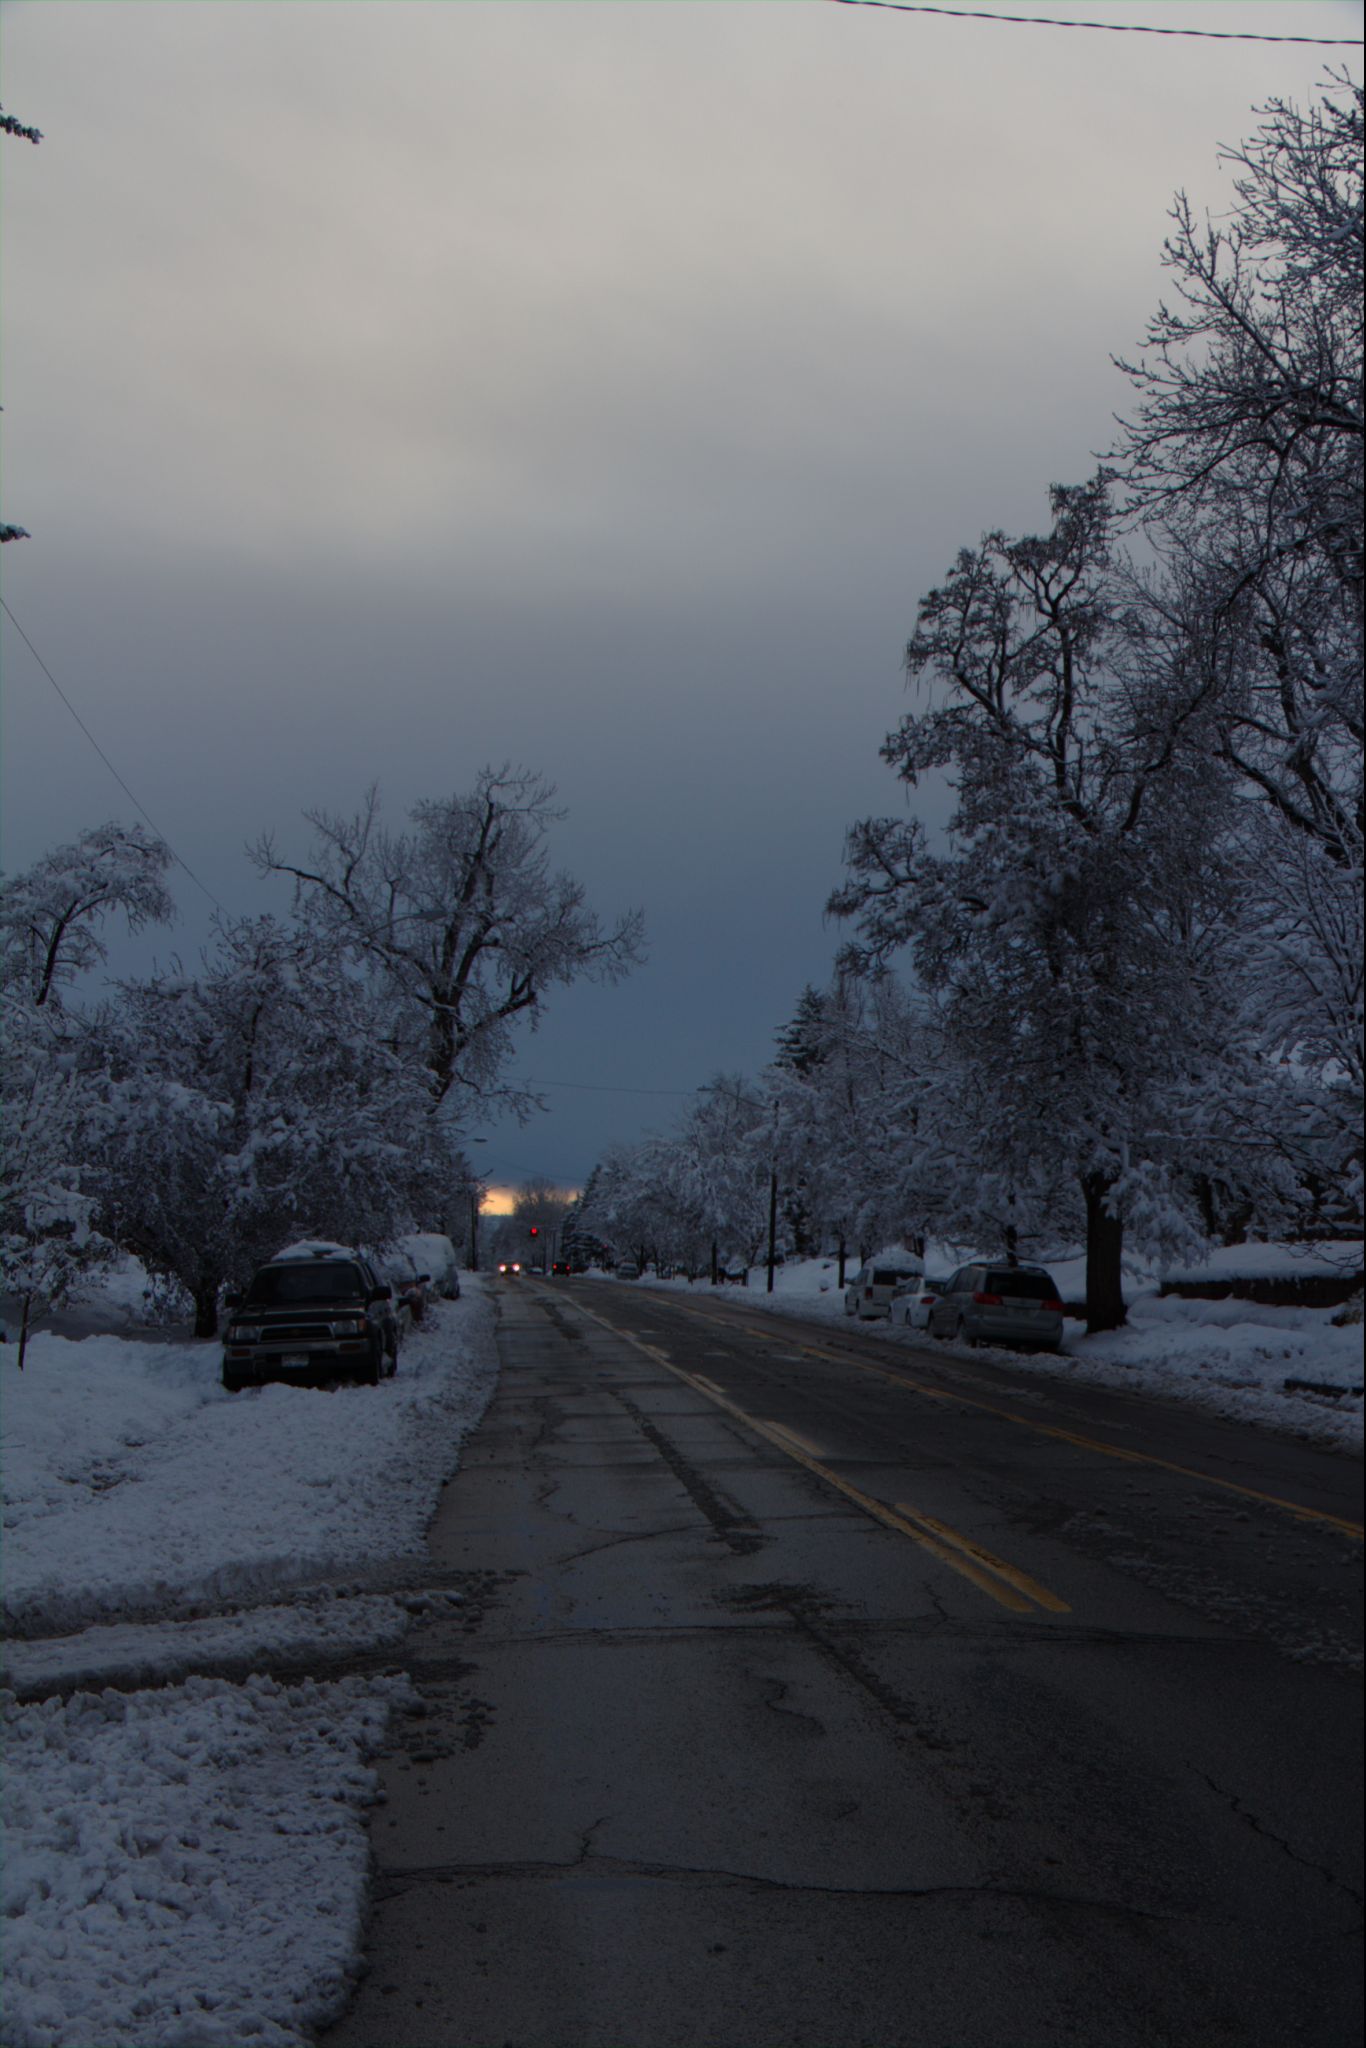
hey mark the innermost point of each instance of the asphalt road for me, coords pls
(811, 1692)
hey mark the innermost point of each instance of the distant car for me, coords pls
(628, 1270)
(317, 1312)
(509, 1266)
(869, 1294)
(913, 1300)
(559, 1265)
(1016, 1306)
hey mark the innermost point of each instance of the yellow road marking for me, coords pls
(1108, 1450)
(1005, 1584)
(1012, 1574)
(803, 1443)
(1066, 1436)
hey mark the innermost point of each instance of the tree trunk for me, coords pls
(715, 1265)
(206, 1307)
(842, 1255)
(23, 1330)
(1104, 1247)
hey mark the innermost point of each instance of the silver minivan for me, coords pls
(870, 1291)
(1010, 1305)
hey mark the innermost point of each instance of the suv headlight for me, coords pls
(349, 1326)
(244, 1333)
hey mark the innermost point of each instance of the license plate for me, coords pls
(296, 1361)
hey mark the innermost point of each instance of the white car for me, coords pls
(436, 1255)
(911, 1304)
(871, 1291)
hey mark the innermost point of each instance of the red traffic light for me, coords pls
(535, 1230)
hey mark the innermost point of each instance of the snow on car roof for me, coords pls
(314, 1248)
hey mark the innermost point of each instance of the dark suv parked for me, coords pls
(323, 1316)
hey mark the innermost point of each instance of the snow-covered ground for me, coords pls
(1233, 1357)
(186, 1866)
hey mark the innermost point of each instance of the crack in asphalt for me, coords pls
(392, 1882)
(1245, 1814)
(777, 1690)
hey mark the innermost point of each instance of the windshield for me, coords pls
(319, 1280)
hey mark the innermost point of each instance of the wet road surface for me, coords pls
(811, 1692)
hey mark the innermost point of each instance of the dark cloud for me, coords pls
(397, 388)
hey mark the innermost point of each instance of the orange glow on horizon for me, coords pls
(502, 1201)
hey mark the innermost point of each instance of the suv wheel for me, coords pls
(231, 1381)
(373, 1371)
(964, 1336)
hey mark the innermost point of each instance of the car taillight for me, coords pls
(987, 1300)
(1054, 1308)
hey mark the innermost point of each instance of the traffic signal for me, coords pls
(535, 1230)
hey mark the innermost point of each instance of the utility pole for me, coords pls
(477, 1191)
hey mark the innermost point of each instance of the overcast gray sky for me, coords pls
(394, 388)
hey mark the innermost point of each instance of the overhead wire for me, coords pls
(1127, 28)
(136, 803)
(602, 1088)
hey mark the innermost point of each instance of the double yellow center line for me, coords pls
(1099, 1445)
(1090, 1443)
(1001, 1581)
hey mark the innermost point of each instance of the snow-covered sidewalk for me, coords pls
(187, 1866)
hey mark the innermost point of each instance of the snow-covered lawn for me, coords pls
(187, 1866)
(1233, 1357)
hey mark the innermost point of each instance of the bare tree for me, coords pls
(1244, 459)
(460, 921)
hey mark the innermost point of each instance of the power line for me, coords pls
(106, 760)
(602, 1088)
(1123, 28)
